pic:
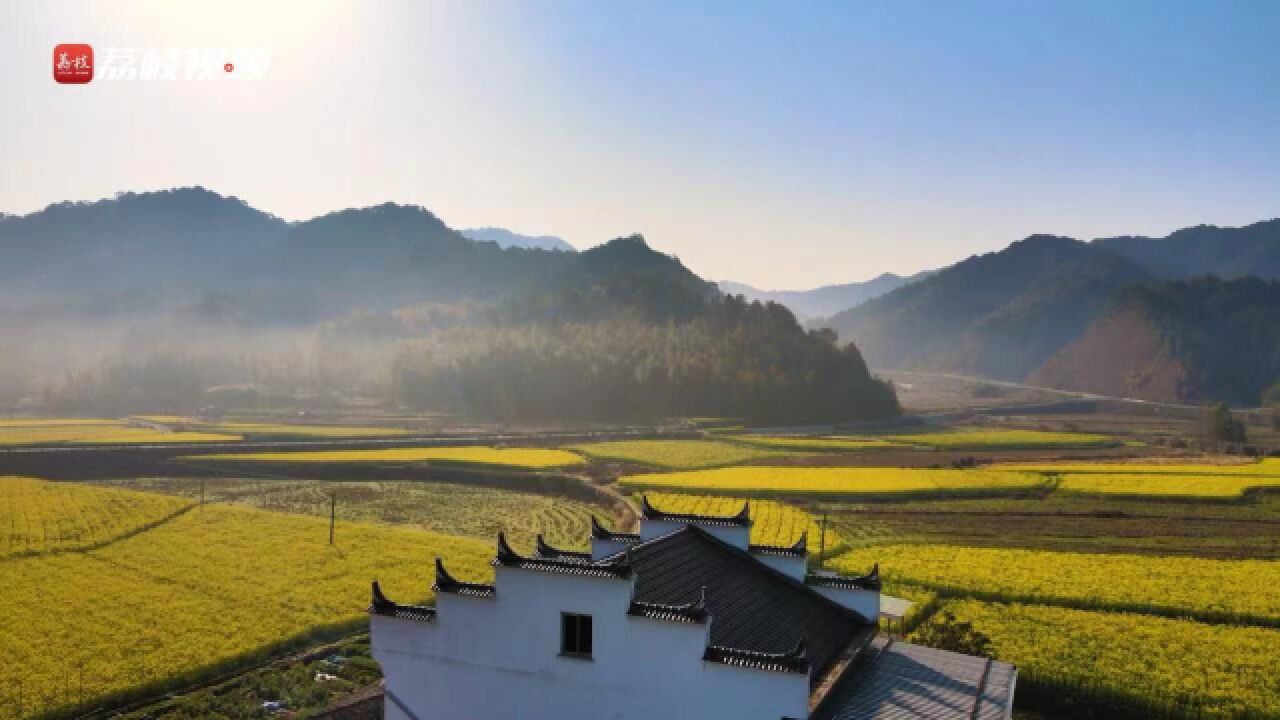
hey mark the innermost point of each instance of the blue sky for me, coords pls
(782, 144)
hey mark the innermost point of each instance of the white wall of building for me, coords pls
(498, 659)
(786, 564)
(734, 535)
(863, 602)
(603, 548)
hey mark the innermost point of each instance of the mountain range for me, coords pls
(191, 246)
(1122, 315)
(506, 238)
(143, 301)
(1053, 309)
(825, 300)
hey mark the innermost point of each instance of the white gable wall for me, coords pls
(498, 659)
(863, 602)
(785, 564)
(734, 535)
(603, 548)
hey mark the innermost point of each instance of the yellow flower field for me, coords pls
(1268, 467)
(318, 431)
(54, 422)
(1193, 480)
(471, 454)
(198, 595)
(992, 439)
(1211, 589)
(772, 522)
(674, 453)
(1193, 669)
(1165, 485)
(38, 516)
(78, 431)
(814, 444)
(839, 481)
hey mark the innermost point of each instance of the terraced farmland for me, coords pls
(1268, 467)
(999, 439)
(534, 458)
(1222, 487)
(81, 431)
(55, 422)
(39, 517)
(773, 523)
(852, 482)
(814, 444)
(1215, 590)
(445, 508)
(205, 592)
(1155, 480)
(300, 431)
(1068, 522)
(1149, 667)
(676, 454)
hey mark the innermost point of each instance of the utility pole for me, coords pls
(333, 513)
(201, 491)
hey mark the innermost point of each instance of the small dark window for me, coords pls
(575, 635)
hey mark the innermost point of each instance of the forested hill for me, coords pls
(221, 259)
(388, 256)
(1000, 315)
(1006, 314)
(135, 241)
(147, 301)
(1205, 250)
(1180, 341)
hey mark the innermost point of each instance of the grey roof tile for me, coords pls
(753, 608)
(912, 681)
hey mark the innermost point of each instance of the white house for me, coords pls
(685, 619)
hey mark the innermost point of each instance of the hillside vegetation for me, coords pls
(1128, 316)
(1182, 341)
(1205, 250)
(391, 303)
(1000, 315)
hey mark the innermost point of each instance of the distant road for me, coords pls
(1065, 394)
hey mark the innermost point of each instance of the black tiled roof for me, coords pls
(446, 583)
(741, 519)
(800, 549)
(616, 567)
(600, 532)
(694, 612)
(549, 552)
(870, 581)
(757, 613)
(794, 660)
(380, 605)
